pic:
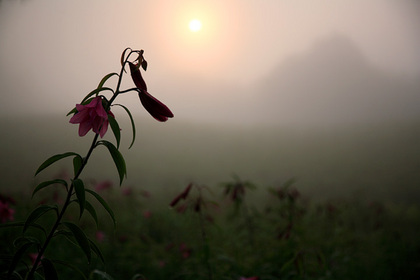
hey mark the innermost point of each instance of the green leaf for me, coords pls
(104, 79)
(104, 204)
(18, 255)
(49, 270)
(115, 128)
(77, 164)
(18, 242)
(80, 237)
(67, 234)
(38, 212)
(79, 187)
(117, 157)
(53, 159)
(92, 212)
(14, 275)
(38, 276)
(101, 274)
(69, 265)
(48, 183)
(96, 250)
(95, 92)
(21, 224)
(87, 98)
(132, 123)
(138, 276)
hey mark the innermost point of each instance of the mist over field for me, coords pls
(367, 161)
(329, 102)
(347, 129)
(274, 139)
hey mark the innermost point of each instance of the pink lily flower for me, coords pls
(6, 213)
(157, 109)
(104, 185)
(91, 116)
(100, 236)
(182, 195)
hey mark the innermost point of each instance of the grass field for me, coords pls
(351, 212)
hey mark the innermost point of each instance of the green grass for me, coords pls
(358, 216)
(278, 237)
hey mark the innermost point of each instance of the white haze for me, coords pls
(266, 67)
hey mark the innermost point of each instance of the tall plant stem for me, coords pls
(63, 210)
(41, 252)
(205, 241)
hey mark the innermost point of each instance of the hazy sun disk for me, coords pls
(195, 25)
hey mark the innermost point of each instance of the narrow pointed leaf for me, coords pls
(132, 123)
(15, 275)
(53, 159)
(81, 238)
(104, 79)
(18, 255)
(38, 276)
(48, 183)
(96, 250)
(115, 129)
(95, 92)
(21, 224)
(104, 204)
(92, 212)
(49, 270)
(117, 157)
(101, 274)
(77, 164)
(20, 241)
(71, 266)
(79, 188)
(38, 212)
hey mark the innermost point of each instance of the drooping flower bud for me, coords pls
(137, 77)
(157, 109)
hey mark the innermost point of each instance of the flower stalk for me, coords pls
(94, 113)
(63, 210)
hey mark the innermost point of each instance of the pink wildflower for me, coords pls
(123, 239)
(185, 251)
(100, 236)
(157, 109)
(182, 208)
(57, 198)
(7, 199)
(127, 191)
(182, 195)
(91, 116)
(33, 257)
(104, 185)
(6, 213)
(249, 278)
(145, 193)
(147, 214)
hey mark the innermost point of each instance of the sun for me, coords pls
(195, 25)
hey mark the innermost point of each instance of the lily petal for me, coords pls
(157, 109)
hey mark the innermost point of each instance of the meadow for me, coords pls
(268, 202)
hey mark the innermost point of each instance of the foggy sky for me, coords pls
(52, 53)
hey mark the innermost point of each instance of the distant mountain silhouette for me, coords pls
(334, 83)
